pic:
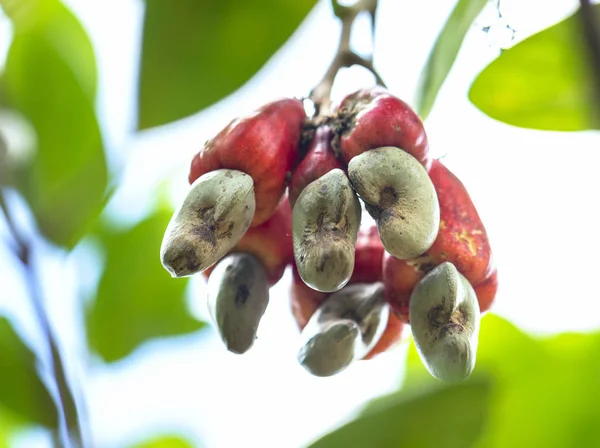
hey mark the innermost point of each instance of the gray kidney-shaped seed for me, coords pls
(238, 295)
(444, 316)
(400, 196)
(325, 223)
(214, 216)
(343, 329)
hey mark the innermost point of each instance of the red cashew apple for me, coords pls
(399, 279)
(367, 269)
(264, 145)
(486, 291)
(319, 160)
(270, 243)
(461, 240)
(464, 240)
(305, 300)
(368, 256)
(374, 118)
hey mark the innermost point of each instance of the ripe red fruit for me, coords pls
(462, 240)
(304, 299)
(368, 256)
(367, 269)
(263, 145)
(462, 237)
(486, 291)
(399, 279)
(319, 160)
(374, 118)
(270, 242)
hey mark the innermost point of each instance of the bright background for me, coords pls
(536, 193)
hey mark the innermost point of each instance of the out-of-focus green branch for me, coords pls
(67, 406)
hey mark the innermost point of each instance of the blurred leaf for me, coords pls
(545, 391)
(450, 417)
(543, 82)
(137, 298)
(5, 432)
(5, 173)
(444, 52)
(194, 53)
(165, 442)
(50, 77)
(10, 424)
(21, 390)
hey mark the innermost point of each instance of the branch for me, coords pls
(591, 30)
(67, 400)
(344, 57)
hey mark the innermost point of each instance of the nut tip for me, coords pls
(180, 259)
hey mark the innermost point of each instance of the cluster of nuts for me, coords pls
(277, 188)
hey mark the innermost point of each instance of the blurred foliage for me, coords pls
(543, 82)
(444, 52)
(137, 299)
(429, 420)
(6, 428)
(165, 442)
(21, 391)
(50, 77)
(194, 53)
(544, 391)
(524, 391)
(5, 175)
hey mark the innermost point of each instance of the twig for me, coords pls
(344, 57)
(66, 396)
(591, 30)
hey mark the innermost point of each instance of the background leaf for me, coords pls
(50, 77)
(5, 168)
(444, 52)
(137, 299)
(21, 390)
(543, 82)
(449, 417)
(8, 425)
(196, 52)
(545, 391)
(165, 442)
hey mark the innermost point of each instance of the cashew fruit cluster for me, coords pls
(276, 188)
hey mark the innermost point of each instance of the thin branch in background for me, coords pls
(67, 403)
(344, 57)
(591, 31)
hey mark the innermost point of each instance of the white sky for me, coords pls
(536, 193)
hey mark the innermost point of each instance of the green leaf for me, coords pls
(444, 52)
(545, 390)
(137, 299)
(10, 424)
(544, 82)
(5, 168)
(50, 77)
(449, 417)
(196, 52)
(21, 390)
(165, 442)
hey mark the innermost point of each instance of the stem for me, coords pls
(66, 397)
(344, 57)
(591, 30)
